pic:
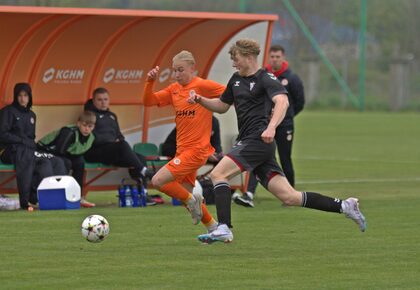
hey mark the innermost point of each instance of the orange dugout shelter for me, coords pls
(64, 53)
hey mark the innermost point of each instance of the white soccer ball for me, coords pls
(95, 228)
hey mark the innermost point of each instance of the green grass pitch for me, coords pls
(374, 156)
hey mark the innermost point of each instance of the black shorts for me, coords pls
(257, 156)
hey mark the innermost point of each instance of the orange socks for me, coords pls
(207, 218)
(176, 190)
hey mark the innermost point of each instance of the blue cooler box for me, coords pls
(59, 192)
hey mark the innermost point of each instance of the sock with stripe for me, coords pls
(222, 194)
(321, 202)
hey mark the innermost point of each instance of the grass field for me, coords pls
(374, 156)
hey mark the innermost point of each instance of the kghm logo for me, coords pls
(63, 76)
(185, 114)
(122, 76)
(48, 75)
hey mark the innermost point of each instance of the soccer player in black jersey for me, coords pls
(253, 92)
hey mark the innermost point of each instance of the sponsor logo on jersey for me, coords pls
(185, 114)
(32, 120)
(237, 84)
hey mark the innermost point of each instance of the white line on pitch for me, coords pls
(373, 180)
(354, 159)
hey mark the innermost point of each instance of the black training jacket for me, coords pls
(106, 129)
(296, 95)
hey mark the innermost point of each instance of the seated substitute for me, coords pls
(109, 146)
(70, 143)
(17, 146)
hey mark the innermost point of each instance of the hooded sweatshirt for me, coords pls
(17, 123)
(106, 129)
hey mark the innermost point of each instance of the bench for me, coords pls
(95, 172)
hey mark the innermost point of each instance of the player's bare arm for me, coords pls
(281, 103)
(214, 105)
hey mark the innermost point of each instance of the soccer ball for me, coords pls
(95, 228)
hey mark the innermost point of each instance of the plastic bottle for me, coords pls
(143, 196)
(128, 198)
(121, 196)
(135, 195)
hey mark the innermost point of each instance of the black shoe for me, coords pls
(244, 200)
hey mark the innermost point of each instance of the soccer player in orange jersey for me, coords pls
(193, 125)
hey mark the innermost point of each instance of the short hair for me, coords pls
(186, 56)
(245, 47)
(99, 91)
(277, 47)
(87, 117)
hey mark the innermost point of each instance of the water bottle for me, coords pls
(121, 196)
(128, 198)
(176, 202)
(143, 196)
(135, 195)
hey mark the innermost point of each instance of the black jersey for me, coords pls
(252, 98)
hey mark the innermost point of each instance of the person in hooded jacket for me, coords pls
(109, 146)
(18, 147)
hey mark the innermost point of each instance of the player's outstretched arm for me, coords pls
(214, 105)
(149, 98)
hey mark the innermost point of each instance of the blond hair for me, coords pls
(87, 117)
(186, 56)
(245, 47)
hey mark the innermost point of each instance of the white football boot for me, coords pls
(194, 207)
(221, 234)
(351, 209)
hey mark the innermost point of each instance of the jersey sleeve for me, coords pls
(227, 96)
(272, 85)
(161, 98)
(211, 89)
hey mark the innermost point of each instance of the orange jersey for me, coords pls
(193, 121)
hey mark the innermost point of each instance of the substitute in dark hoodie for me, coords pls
(109, 146)
(17, 146)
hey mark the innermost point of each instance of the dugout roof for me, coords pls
(66, 52)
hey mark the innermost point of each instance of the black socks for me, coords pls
(223, 198)
(317, 201)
